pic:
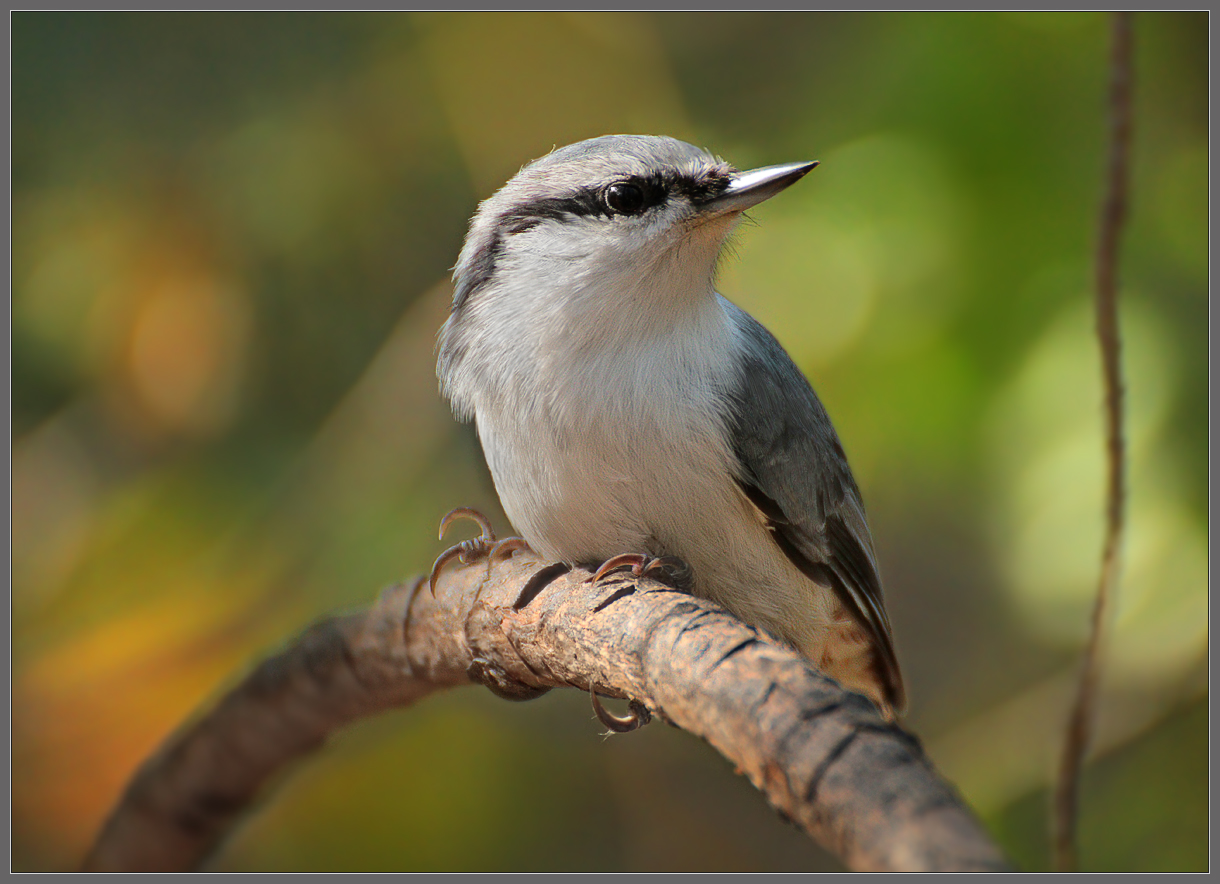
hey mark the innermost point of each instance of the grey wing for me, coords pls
(792, 467)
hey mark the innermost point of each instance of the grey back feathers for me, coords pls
(793, 468)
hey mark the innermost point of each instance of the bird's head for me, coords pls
(626, 214)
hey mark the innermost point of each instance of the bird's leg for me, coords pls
(468, 551)
(672, 570)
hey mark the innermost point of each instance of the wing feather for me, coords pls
(792, 467)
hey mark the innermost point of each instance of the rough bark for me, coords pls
(823, 756)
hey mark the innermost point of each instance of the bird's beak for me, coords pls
(751, 188)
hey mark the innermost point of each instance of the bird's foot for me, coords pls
(670, 570)
(468, 551)
(637, 716)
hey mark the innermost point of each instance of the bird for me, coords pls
(630, 415)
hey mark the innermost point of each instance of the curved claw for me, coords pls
(466, 512)
(637, 716)
(507, 547)
(443, 559)
(635, 560)
(467, 548)
(673, 568)
(504, 549)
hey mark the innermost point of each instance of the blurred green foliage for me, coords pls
(231, 238)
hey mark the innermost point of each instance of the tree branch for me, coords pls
(823, 756)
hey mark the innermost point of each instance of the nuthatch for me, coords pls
(631, 415)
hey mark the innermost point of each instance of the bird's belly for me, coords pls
(585, 503)
(583, 500)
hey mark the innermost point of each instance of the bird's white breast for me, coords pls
(593, 447)
(610, 442)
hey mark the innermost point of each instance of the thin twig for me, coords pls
(1113, 212)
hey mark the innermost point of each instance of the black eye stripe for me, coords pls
(708, 184)
(583, 202)
(590, 201)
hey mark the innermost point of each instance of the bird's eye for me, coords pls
(624, 198)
